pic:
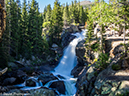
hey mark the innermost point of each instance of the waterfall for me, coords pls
(68, 62)
(64, 68)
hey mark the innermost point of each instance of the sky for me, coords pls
(43, 3)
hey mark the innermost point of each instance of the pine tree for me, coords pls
(44, 13)
(24, 34)
(72, 16)
(66, 16)
(48, 14)
(57, 21)
(13, 27)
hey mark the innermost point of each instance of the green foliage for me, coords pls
(46, 24)
(3, 58)
(47, 13)
(102, 62)
(56, 23)
(95, 47)
(116, 67)
(22, 36)
(66, 15)
(124, 94)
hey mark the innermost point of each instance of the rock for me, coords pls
(31, 82)
(46, 77)
(66, 39)
(57, 49)
(74, 28)
(54, 45)
(80, 52)
(118, 49)
(124, 85)
(69, 30)
(77, 69)
(19, 63)
(110, 82)
(9, 81)
(3, 89)
(85, 82)
(13, 91)
(90, 72)
(42, 92)
(59, 86)
(61, 77)
(12, 65)
(26, 69)
(33, 58)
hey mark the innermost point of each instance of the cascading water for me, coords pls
(67, 63)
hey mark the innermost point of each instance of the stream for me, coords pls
(67, 62)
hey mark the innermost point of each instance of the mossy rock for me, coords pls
(116, 67)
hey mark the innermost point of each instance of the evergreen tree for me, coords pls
(66, 15)
(24, 34)
(13, 27)
(48, 14)
(82, 16)
(57, 21)
(72, 16)
(44, 13)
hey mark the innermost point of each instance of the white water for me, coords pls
(64, 68)
(68, 62)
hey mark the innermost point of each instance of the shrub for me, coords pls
(116, 67)
(95, 46)
(103, 61)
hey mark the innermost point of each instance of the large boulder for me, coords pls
(80, 52)
(46, 77)
(59, 86)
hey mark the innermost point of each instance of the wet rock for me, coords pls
(59, 86)
(77, 69)
(42, 92)
(54, 45)
(3, 89)
(66, 39)
(61, 77)
(46, 77)
(9, 81)
(21, 76)
(31, 82)
(80, 52)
